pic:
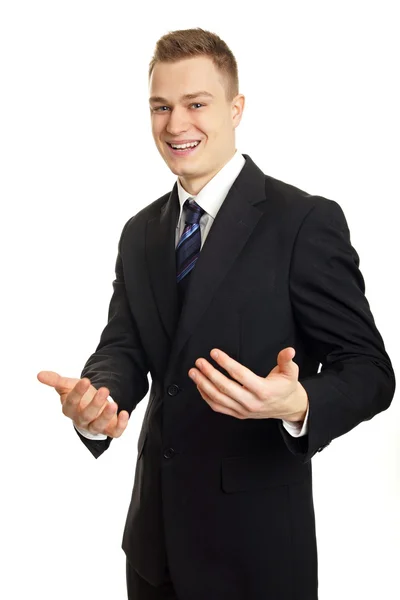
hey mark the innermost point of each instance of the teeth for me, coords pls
(190, 145)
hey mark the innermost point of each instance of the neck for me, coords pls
(194, 186)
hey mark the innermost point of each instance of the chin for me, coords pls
(179, 169)
(173, 170)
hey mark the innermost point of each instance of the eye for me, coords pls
(157, 108)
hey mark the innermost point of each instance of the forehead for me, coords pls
(174, 80)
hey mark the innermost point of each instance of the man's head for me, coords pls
(186, 62)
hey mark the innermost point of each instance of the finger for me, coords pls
(228, 400)
(229, 389)
(101, 421)
(110, 423)
(221, 408)
(88, 413)
(240, 373)
(53, 379)
(285, 363)
(48, 377)
(74, 397)
(121, 424)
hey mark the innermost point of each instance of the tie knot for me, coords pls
(193, 211)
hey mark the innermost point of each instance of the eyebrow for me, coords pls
(203, 94)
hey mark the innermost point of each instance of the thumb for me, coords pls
(53, 379)
(285, 363)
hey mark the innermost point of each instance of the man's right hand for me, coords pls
(87, 407)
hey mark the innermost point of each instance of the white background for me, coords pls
(78, 159)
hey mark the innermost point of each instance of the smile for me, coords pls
(184, 151)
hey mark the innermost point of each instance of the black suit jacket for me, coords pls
(229, 501)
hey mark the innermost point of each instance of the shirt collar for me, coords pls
(211, 197)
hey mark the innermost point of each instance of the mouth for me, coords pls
(184, 152)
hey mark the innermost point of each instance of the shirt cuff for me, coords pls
(93, 436)
(297, 429)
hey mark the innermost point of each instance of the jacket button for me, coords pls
(169, 452)
(173, 389)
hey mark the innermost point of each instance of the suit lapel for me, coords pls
(160, 254)
(227, 237)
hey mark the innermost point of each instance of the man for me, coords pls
(263, 273)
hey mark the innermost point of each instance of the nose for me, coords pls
(177, 122)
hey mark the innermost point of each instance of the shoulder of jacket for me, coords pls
(147, 212)
(294, 197)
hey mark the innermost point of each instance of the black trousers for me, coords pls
(139, 589)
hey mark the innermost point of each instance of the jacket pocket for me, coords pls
(252, 472)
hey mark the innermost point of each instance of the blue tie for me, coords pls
(188, 248)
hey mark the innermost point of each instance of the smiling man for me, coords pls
(206, 116)
(232, 290)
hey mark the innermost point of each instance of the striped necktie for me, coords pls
(188, 248)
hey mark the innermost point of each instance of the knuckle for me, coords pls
(245, 406)
(80, 419)
(252, 407)
(235, 372)
(110, 410)
(94, 426)
(222, 392)
(225, 390)
(85, 415)
(66, 409)
(98, 398)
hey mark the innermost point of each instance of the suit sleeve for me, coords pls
(119, 361)
(334, 319)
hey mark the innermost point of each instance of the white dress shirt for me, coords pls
(210, 199)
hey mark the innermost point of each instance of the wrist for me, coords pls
(300, 405)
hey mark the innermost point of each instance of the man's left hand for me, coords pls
(280, 395)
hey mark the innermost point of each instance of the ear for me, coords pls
(237, 109)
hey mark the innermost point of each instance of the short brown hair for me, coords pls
(186, 43)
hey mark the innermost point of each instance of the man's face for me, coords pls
(207, 118)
